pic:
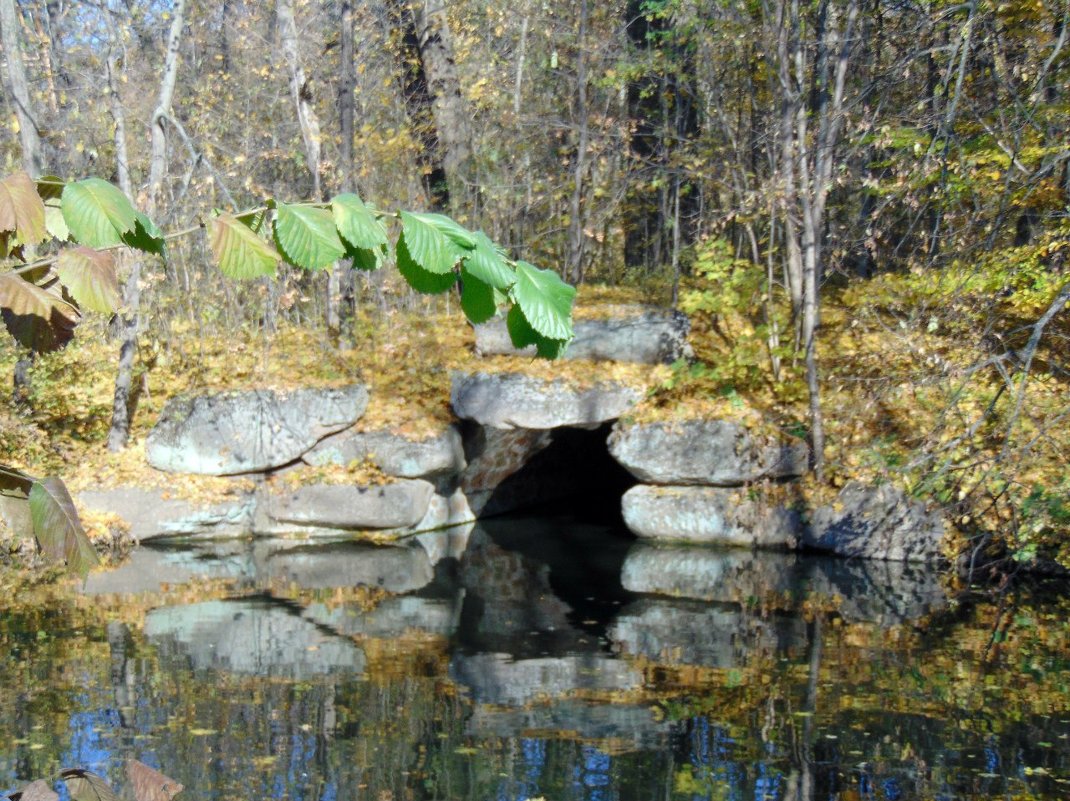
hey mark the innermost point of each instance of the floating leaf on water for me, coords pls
(149, 784)
(84, 785)
(35, 791)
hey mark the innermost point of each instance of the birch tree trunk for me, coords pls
(119, 433)
(19, 90)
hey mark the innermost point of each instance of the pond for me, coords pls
(535, 658)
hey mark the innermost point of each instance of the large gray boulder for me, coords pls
(641, 334)
(712, 452)
(513, 400)
(879, 522)
(395, 455)
(249, 431)
(709, 515)
(155, 514)
(399, 504)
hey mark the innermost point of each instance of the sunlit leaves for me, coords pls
(430, 283)
(239, 252)
(425, 245)
(545, 300)
(50, 188)
(97, 213)
(38, 319)
(89, 276)
(487, 264)
(357, 224)
(59, 533)
(22, 211)
(306, 236)
(146, 235)
(523, 335)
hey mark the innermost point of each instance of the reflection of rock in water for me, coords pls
(708, 574)
(393, 616)
(254, 636)
(394, 568)
(149, 569)
(683, 633)
(886, 593)
(628, 725)
(509, 604)
(497, 679)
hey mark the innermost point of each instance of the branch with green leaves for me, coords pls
(42, 300)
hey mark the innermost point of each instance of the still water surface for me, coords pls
(535, 658)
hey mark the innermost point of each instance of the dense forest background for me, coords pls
(898, 169)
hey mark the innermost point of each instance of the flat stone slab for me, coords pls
(249, 431)
(153, 514)
(709, 515)
(513, 400)
(391, 618)
(394, 454)
(879, 522)
(716, 453)
(399, 504)
(640, 334)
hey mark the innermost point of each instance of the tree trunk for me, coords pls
(19, 90)
(301, 92)
(347, 85)
(576, 236)
(433, 98)
(119, 434)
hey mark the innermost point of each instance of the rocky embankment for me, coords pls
(517, 440)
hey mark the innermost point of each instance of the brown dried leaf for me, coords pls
(21, 209)
(84, 785)
(149, 784)
(35, 791)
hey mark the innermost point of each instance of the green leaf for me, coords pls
(523, 335)
(146, 236)
(357, 224)
(306, 236)
(38, 319)
(420, 279)
(57, 528)
(368, 260)
(21, 209)
(89, 276)
(427, 246)
(487, 264)
(239, 252)
(477, 299)
(97, 213)
(454, 231)
(545, 300)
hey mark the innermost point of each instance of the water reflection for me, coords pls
(539, 658)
